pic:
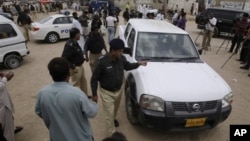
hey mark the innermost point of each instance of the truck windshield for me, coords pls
(165, 46)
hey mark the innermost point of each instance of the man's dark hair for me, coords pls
(73, 32)
(75, 15)
(94, 27)
(59, 69)
(119, 136)
(245, 15)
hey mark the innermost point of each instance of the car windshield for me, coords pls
(45, 20)
(165, 46)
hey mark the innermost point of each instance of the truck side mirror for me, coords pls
(127, 51)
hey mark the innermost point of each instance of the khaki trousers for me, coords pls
(33, 13)
(7, 121)
(78, 78)
(26, 29)
(207, 35)
(92, 60)
(111, 103)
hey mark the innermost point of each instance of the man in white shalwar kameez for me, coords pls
(6, 108)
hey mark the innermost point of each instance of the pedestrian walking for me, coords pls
(208, 31)
(32, 11)
(65, 109)
(182, 21)
(109, 72)
(76, 24)
(25, 21)
(74, 54)
(94, 44)
(83, 19)
(111, 21)
(241, 28)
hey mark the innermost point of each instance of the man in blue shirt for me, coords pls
(65, 109)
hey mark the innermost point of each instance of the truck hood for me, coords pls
(183, 81)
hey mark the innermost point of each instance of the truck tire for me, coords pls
(130, 107)
(12, 61)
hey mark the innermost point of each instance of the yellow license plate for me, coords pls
(195, 122)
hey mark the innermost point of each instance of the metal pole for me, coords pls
(244, 3)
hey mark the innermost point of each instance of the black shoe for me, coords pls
(244, 67)
(18, 129)
(116, 123)
(248, 75)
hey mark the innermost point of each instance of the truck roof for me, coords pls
(151, 25)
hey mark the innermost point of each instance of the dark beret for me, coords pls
(116, 44)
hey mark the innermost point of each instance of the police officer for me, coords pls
(74, 54)
(94, 44)
(109, 72)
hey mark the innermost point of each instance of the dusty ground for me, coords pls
(33, 75)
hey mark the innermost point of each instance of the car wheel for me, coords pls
(12, 61)
(130, 108)
(52, 37)
(216, 32)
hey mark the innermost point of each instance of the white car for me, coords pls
(177, 90)
(151, 9)
(13, 46)
(52, 28)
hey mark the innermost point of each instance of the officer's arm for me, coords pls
(67, 53)
(96, 77)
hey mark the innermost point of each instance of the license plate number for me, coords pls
(195, 122)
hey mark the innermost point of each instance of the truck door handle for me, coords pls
(55, 26)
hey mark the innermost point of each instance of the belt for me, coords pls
(112, 89)
(78, 65)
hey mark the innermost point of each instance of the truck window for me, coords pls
(131, 39)
(127, 30)
(163, 45)
(7, 31)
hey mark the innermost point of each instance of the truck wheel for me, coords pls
(12, 61)
(130, 108)
(52, 37)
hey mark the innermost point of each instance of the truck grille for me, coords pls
(188, 106)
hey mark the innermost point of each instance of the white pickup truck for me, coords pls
(177, 90)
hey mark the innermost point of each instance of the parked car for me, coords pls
(225, 19)
(151, 9)
(52, 28)
(7, 15)
(13, 46)
(177, 90)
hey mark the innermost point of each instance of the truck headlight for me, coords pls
(227, 100)
(152, 103)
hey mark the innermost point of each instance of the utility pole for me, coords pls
(244, 3)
